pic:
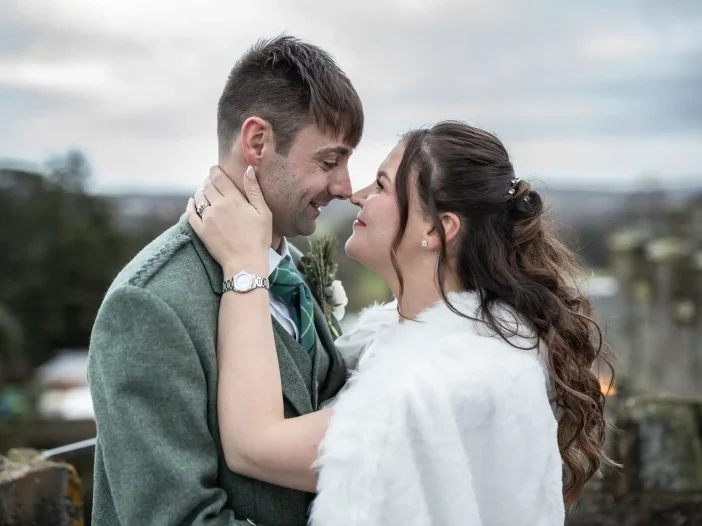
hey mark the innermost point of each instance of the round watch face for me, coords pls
(243, 281)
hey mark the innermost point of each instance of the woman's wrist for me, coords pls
(257, 265)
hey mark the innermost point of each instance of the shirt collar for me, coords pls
(276, 256)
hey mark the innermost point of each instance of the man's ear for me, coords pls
(257, 140)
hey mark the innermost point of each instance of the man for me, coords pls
(289, 111)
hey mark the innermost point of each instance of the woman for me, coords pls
(471, 399)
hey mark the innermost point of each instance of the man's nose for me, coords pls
(341, 186)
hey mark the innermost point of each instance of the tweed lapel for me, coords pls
(336, 376)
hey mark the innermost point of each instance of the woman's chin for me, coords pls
(353, 250)
(357, 249)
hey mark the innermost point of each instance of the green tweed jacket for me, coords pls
(153, 378)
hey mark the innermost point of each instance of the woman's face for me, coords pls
(379, 218)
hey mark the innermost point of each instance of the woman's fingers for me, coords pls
(211, 193)
(221, 181)
(200, 201)
(193, 217)
(253, 191)
(232, 223)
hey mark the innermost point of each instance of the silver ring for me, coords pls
(200, 208)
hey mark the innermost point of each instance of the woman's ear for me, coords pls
(451, 224)
(256, 140)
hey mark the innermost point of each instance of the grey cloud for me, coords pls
(459, 57)
(456, 61)
(655, 104)
(514, 67)
(40, 37)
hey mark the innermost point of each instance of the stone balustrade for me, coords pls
(34, 491)
(659, 446)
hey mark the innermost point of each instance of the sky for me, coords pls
(595, 93)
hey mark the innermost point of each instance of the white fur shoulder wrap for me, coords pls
(441, 423)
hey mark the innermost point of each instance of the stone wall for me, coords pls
(38, 492)
(659, 446)
(28, 482)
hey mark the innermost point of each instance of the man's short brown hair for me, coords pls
(290, 84)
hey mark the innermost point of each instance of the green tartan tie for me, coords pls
(287, 285)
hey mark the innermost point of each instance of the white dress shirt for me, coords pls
(278, 309)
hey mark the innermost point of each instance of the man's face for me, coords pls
(297, 186)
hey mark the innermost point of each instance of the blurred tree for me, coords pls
(60, 253)
(72, 172)
(11, 340)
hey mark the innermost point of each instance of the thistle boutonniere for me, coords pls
(319, 268)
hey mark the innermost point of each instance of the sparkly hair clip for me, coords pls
(513, 190)
(513, 184)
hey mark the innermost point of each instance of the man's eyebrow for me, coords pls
(343, 150)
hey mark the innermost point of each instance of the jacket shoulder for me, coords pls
(161, 253)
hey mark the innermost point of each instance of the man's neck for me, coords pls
(276, 243)
(232, 167)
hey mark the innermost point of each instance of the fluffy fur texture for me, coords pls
(441, 423)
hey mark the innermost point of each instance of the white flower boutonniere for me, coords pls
(336, 296)
(319, 268)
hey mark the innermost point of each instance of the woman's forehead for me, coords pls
(392, 161)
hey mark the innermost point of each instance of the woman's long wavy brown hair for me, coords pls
(508, 253)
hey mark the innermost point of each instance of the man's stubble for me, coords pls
(287, 198)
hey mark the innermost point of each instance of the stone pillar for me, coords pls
(661, 445)
(696, 326)
(630, 269)
(35, 491)
(673, 316)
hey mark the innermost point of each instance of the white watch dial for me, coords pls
(243, 281)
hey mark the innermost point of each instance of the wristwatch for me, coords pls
(244, 282)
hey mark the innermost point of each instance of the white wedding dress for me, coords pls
(441, 423)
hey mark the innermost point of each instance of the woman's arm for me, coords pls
(257, 440)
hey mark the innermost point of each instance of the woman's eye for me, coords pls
(379, 186)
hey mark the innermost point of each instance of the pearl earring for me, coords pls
(425, 243)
